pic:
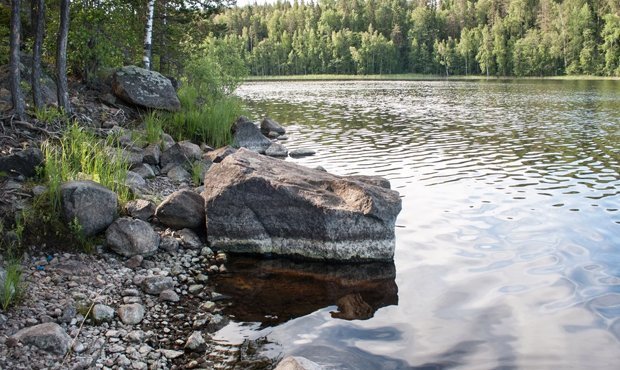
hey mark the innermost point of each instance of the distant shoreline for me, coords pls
(421, 77)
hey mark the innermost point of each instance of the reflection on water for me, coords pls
(508, 245)
(273, 291)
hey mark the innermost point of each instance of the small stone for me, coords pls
(130, 292)
(214, 269)
(206, 252)
(171, 354)
(221, 258)
(134, 262)
(136, 336)
(102, 313)
(298, 363)
(129, 300)
(207, 306)
(195, 342)
(190, 239)
(140, 209)
(78, 347)
(49, 337)
(169, 244)
(201, 278)
(156, 284)
(301, 153)
(131, 314)
(169, 295)
(195, 289)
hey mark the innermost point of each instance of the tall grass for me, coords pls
(153, 127)
(11, 285)
(80, 155)
(209, 121)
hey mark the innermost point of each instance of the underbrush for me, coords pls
(11, 283)
(78, 155)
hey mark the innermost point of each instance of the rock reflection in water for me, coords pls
(273, 291)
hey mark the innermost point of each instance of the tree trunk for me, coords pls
(16, 91)
(36, 53)
(61, 58)
(148, 47)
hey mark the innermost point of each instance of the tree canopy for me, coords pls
(493, 37)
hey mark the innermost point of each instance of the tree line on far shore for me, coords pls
(482, 37)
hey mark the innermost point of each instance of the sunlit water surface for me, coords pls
(508, 244)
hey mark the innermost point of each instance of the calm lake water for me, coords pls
(508, 244)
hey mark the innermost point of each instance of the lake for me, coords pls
(508, 244)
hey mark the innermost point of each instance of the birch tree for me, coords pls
(148, 47)
(61, 58)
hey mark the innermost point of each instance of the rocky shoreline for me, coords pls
(145, 298)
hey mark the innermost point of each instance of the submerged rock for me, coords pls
(247, 135)
(301, 153)
(258, 204)
(145, 88)
(298, 363)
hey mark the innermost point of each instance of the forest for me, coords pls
(461, 37)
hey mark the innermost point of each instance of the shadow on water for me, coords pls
(273, 291)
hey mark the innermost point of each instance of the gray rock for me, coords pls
(145, 88)
(156, 284)
(190, 239)
(166, 142)
(218, 155)
(180, 154)
(195, 342)
(268, 125)
(134, 181)
(298, 363)
(169, 244)
(191, 150)
(195, 289)
(216, 322)
(171, 354)
(152, 154)
(102, 313)
(93, 205)
(38, 190)
(132, 156)
(144, 170)
(141, 209)
(247, 135)
(276, 150)
(134, 262)
(49, 337)
(179, 174)
(258, 204)
(129, 237)
(24, 162)
(131, 314)
(169, 295)
(182, 209)
(296, 153)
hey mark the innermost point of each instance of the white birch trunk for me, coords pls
(148, 38)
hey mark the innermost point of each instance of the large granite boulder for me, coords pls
(145, 88)
(247, 135)
(258, 204)
(93, 205)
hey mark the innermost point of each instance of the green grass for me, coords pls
(412, 77)
(80, 155)
(12, 285)
(49, 114)
(209, 122)
(153, 128)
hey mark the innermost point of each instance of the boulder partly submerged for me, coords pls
(148, 89)
(261, 205)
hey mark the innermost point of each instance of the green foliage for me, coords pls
(5, 31)
(49, 114)
(79, 155)
(153, 128)
(454, 37)
(210, 123)
(11, 284)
